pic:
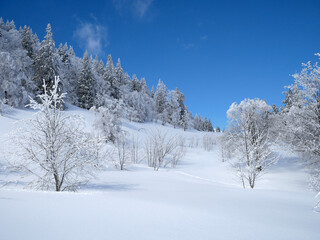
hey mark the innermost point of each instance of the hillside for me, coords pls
(198, 199)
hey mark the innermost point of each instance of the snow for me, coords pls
(199, 199)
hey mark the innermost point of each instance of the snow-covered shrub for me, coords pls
(53, 147)
(107, 121)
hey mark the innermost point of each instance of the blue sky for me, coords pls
(215, 52)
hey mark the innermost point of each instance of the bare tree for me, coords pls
(248, 136)
(53, 147)
(225, 147)
(178, 152)
(162, 149)
(208, 141)
(135, 150)
(121, 154)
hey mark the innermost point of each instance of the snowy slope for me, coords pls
(200, 199)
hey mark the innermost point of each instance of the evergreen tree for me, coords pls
(120, 74)
(86, 84)
(45, 65)
(186, 119)
(135, 84)
(152, 92)
(26, 41)
(143, 86)
(111, 79)
(161, 101)
(210, 127)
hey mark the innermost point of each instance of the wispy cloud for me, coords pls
(188, 46)
(185, 45)
(138, 8)
(91, 36)
(141, 7)
(204, 37)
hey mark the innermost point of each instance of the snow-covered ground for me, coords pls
(199, 199)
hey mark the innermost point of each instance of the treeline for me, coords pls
(25, 62)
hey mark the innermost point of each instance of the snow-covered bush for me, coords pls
(107, 121)
(248, 136)
(53, 147)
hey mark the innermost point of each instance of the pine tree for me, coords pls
(86, 83)
(135, 84)
(45, 65)
(185, 119)
(210, 127)
(152, 92)
(120, 74)
(111, 79)
(161, 101)
(10, 25)
(143, 86)
(26, 41)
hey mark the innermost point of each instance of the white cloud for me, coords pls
(138, 8)
(91, 36)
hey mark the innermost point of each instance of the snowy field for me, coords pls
(199, 199)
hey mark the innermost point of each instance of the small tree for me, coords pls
(53, 148)
(122, 152)
(107, 121)
(249, 137)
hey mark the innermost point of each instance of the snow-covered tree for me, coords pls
(70, 68)
(86, 83)
(120, 74)
(26, 41)
(107, 121)
(53, 147)
(15, 69)
(121, 155)
(301, 121)
(176, 108)
(45, 63)
(161, 101)
(248, 135)
(111, 79)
